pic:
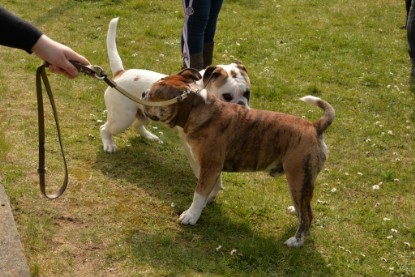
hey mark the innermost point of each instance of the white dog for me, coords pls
(229, 83)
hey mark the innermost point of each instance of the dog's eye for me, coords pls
(144, 93)
(227, 97)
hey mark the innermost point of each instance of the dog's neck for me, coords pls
(184, 110)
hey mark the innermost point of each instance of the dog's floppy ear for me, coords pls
(240, 66)
(212, 73)
(190, 73)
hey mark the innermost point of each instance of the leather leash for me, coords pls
(41, 76)
(95, 72)
(98, 73)
(188, 11)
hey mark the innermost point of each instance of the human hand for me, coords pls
(58, 56)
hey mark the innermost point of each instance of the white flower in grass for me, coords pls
(386, 219)
(322, 202)
(390, 132)
(394, 231)
(389, 237)
(333, 190)
(345, 249)
(376, 187)
(233, 252)
(219, 248)
(291, 210)
(407, 244)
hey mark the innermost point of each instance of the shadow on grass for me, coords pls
(206, 247)
(55, 12)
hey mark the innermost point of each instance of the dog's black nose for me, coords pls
(247, 94)
(227, 97)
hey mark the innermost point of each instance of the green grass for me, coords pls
(119, 214)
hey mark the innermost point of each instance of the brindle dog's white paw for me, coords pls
(294, 242)
(189, 217)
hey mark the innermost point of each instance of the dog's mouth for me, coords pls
(152, 117)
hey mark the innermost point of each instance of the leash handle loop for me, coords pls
(41, 76)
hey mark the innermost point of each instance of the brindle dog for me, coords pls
(230, 137)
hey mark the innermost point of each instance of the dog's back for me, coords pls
(259, 140)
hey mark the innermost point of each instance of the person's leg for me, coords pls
(407, 7)
(410, 30)
(196, 27)
(210, 31)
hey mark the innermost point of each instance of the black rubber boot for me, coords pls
(208, 53)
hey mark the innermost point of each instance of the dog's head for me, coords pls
(168, 88)
(230, 83)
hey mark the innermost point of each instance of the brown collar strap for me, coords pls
(185, 109)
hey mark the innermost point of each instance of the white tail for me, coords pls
(115, 59)
(329, 114)
(310, 99)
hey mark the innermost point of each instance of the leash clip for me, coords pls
(93, 71)
(182, 96)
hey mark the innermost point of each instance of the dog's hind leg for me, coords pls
(301, 185)
(109, 129)
(120, 115)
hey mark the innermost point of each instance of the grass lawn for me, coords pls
(119, 214)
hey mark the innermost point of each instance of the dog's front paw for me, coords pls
(152, 137)
(189, 217)
(294, 242)
(148, 135)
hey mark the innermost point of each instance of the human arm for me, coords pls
(18, 33)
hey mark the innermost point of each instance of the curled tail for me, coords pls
(115, 59)
(329, 114)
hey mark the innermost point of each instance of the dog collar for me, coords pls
(185, 108)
